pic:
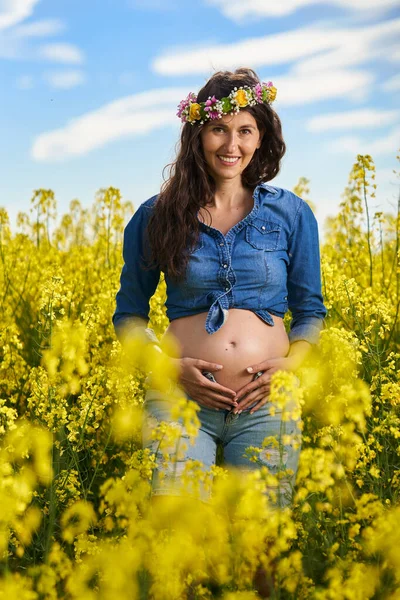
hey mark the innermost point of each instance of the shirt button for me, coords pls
(225, 266)
(227, 289)
(222, 244)
(263, 227)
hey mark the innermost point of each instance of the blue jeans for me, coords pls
(233, 431)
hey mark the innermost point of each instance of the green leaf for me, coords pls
(226, 105)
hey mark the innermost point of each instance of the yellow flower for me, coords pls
(241, 98)
(77, 519)
(194, 112)
(272, 93)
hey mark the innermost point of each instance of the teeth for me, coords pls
(228, 159)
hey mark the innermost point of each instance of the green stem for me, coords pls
(98, 463)
(359, 324)
(52, 510)
(368, 226)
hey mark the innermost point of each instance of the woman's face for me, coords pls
(229, 144)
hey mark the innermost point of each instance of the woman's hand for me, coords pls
(202, 390)
(260, 388)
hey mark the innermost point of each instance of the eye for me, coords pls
(246, 131)
(216, 128)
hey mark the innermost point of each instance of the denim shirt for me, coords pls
(268, 263)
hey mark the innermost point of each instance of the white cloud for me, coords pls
(392, 84)
(63, 53)
(65, 79)
(306, 89)
(238, 10)
(42, 28)
(24, 82)
(15, 41)
(387, 144)
(346, 145)
(312, 48)
(313, 87)
(126, 117)
(274, 49)
(355, 46)
(16, 38)
(353, 119)
(14, 11)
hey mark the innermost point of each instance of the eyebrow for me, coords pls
(241, 127)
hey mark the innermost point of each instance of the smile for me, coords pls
(229, 160)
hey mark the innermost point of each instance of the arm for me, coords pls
(304, 280)
(305, 303)
(297, 353)
(137, 285)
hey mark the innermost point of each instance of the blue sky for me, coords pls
(88, 90)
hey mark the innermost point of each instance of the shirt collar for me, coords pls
(256, 195)
(267, 187)
(252, 214)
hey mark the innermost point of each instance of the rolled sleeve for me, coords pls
(137, 284)
(304, 278)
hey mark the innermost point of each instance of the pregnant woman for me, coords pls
(237, 253)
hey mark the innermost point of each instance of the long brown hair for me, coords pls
(173, 227)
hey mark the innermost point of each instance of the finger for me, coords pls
(207, 366)
(210, 392)
(262, 366)
(217, 387)
(260, 402)
(259, 405)
(259, 394)
(228, 402)
(250, 387)
(247, 389)
(213, 404)
(242, 393)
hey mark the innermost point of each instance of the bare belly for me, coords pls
(243, 340)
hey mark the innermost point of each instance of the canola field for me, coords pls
(75, 518)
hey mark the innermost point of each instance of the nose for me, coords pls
(231, 142)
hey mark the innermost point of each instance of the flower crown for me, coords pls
(191, 111)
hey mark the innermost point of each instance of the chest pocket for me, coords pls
(263, 235)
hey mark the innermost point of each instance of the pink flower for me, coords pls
(184, 105)
(210, 103)
(258, 92)
(211, 108)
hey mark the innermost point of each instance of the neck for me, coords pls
(230, 195)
